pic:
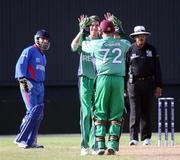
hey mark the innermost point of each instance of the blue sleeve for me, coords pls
(22, 64)
(45, 61)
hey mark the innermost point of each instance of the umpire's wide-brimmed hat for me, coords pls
(139, 30)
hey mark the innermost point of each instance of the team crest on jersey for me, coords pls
(38, 60)
(149, 53)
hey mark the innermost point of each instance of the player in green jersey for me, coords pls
(118, 34)
(86, 75)
(109, 98)
(121, 35)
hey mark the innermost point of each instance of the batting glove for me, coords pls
(25, 84)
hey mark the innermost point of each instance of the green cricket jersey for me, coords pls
(86, 67)
(109, 55)
(126, 41)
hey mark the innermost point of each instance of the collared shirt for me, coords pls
(143, 62)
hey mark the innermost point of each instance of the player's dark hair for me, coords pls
(94, 18)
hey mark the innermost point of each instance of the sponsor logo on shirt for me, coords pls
(40, 67)
(38, 60)
(134, 56)
(87, 58)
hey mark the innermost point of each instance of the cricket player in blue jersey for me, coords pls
(30, 72)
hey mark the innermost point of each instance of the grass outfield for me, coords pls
(67, 147)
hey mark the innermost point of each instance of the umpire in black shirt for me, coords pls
(143, 83)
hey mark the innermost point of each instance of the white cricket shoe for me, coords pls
(147, 141)
(133, 142)
(98, 152)
(22, 144)
(84, 151)
(15, 142)
(93, 152)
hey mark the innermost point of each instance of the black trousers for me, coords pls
(141, 97)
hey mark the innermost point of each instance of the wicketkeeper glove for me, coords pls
(117, 24)
(84, 23)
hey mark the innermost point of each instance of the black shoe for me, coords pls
(34, 146)
(111, 151)
(37, 146)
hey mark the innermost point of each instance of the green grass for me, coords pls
(67, 147)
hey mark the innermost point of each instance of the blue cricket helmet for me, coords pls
(44, 35)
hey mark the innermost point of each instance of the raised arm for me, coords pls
(84, 22)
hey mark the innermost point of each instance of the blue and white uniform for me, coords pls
(31, 65)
